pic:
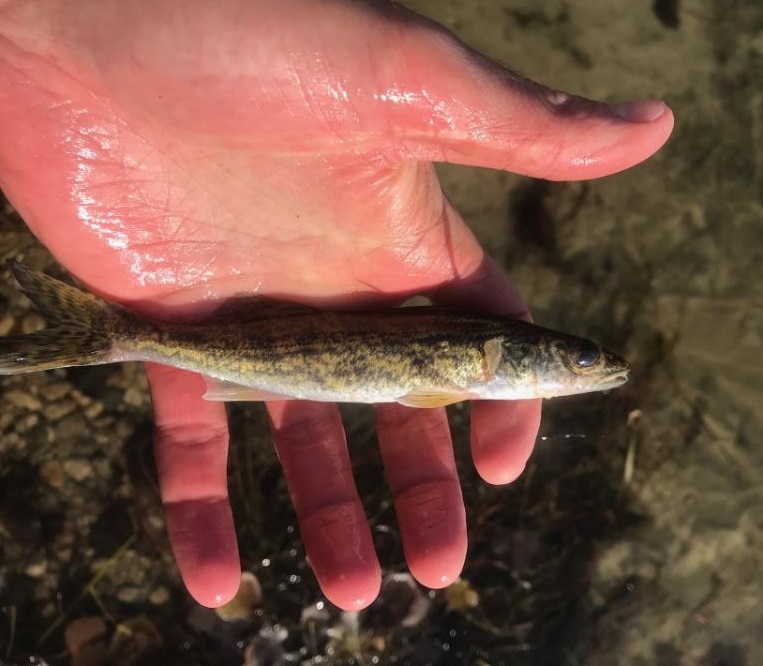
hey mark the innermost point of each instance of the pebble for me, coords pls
(23, 399)
(94, 410)
(130, 594)
(26, 423)
(103, 468)
(6, 419)
(55, 411)
(78, 469)
(80, 398)
(82, 632)
(133, 397)
(71, 427)
(399, 591)
(123, 428)
(247, 599)
(156, 520)
(461, 596)
(159, 596)
(52, 472)
(36, 569)
(56, 390)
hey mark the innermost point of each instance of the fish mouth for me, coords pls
(619, 371)
(617, 379)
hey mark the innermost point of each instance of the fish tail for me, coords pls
(79, 327)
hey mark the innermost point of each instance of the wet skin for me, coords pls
(219, 149)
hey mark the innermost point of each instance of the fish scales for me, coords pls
(336, 351)
(419, 356)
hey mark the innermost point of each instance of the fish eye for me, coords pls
(588, 356)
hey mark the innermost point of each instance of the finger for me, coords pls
(418, 459)
(191, 446)
(503, 437)
(449, 103)
(503, 432)
(310, 442)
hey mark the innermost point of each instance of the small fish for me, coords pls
(417, 356)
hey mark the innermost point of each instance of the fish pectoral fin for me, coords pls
(219, 390)
(433, 398)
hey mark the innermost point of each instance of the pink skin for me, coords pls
(173, 153)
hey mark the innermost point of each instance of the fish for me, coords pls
(419, 356)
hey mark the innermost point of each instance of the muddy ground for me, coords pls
(635, 534)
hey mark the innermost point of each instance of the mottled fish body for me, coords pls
(418, 356)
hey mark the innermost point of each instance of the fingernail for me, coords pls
(640, 111)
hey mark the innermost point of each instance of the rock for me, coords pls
(80, 398)
(52, 472)
(130, 594)
(78, 469)
(6, 419)
(55, 391)
(102, 468)
(461, 596)
(71, 427)
(55, 411)
(159, 596)
(94, 410)
(23, 399)
(133, 397)
(85, 639)
(246, 601)
(37, 568)
(134, 640)
(26, 423)
(403, 601)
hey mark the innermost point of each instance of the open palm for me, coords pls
(176, 153)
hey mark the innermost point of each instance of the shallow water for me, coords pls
(635, 534)
(669, 255)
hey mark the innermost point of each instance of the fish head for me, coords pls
(571, 365)
(554, 365)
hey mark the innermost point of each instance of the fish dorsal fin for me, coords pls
(59, 303)
(433, 398)
(219, 390)
(253, 308)
(79, 327)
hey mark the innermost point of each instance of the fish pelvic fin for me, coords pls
(434, 398)
(219, 390)
(79, 328)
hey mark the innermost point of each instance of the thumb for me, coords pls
(449, 103)
(337, 76)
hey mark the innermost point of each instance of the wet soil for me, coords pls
(635, 534)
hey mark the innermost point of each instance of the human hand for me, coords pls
(175, 153)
